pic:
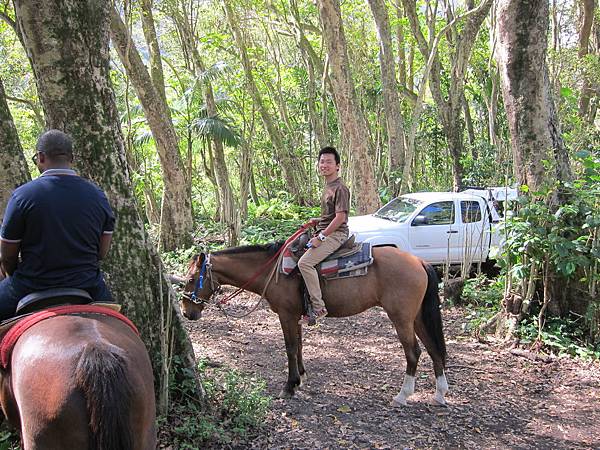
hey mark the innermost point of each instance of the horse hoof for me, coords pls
(399, 402)
(285, 394)
(303, 378)
(440, 401)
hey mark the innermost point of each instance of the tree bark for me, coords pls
(177, 221)
(391, 99)
(352, 120)
(588, 7)
(149, 29)
(70, 59)
(292, 171)
(12, 162)
(535, 133)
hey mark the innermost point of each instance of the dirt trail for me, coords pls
(356, 365)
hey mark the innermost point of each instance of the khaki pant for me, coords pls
(314, 256)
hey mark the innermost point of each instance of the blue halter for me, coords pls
(200, 280)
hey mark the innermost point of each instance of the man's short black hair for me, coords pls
(332, 151)
(56, 145)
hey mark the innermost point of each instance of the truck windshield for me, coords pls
(398, 209)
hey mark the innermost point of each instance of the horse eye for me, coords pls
(191, 280)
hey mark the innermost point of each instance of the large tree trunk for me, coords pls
(70, 60)
(532, 121)
(352, 120)
(292, 170)
(12, 162)
(391, 99)
(533, 124)
(176, 224)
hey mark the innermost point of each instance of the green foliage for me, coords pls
(562, 236)
(487, 169)
(9, 438)
(235, 407)
(562, 241)
(562, 336)
(483, 299)
(275, 220)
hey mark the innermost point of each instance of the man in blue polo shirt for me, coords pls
(60, 224)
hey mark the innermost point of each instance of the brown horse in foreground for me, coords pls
(402, 284)
(80, 382)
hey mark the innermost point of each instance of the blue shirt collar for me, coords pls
(49, 172)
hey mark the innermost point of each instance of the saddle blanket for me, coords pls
(14, 333)
(332, 268)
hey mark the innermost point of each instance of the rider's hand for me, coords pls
(315, 242)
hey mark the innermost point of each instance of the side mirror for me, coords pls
(420, 220)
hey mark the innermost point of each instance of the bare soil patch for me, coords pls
(356, 365)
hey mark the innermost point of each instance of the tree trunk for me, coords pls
(535, 133)
(70, 60)
(352, 120)
(533, 124)
(12, 162)
(391, 99)
(292, 171)
(588, 7)
(177, 221)
(149, 29)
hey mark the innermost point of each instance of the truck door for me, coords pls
(433, 235)
(473, 232)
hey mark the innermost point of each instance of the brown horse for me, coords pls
(402, 284)
(80, 382)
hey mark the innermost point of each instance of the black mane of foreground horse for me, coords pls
(80, 381)
(402, 284)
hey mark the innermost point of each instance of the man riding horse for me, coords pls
(332, 228)
(60, 223)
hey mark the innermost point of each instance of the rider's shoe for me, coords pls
(313, 319)
(320, 313)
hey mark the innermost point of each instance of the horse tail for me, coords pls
(101, 375)
(430, 311)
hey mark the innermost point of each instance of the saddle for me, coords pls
(37, 301)
(42, 305)
(350, 260)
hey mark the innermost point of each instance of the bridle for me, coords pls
(205, 274)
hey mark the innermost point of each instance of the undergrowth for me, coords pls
(234, 408)
(560, 336)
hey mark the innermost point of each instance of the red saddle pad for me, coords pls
(12, 336)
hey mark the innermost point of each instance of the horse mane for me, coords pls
(270, 249)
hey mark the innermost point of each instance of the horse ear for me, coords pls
(200, 259)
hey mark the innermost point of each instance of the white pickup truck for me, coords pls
(439, 227)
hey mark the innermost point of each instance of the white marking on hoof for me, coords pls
(303, 378)
(441, 388)
(408, 389)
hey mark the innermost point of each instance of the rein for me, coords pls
(206, 271)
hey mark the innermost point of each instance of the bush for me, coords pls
(235, 407)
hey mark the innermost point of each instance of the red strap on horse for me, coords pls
(260, 271)
(12, 336)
